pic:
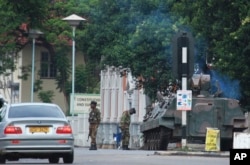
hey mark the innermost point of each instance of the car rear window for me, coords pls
(35, 111)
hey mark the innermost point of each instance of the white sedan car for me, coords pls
(35, 130)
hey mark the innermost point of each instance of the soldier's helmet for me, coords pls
(132, 111)
(93, 102)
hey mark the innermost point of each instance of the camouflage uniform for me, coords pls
(94, 121)
(124, 126)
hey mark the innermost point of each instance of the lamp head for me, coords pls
(35, 33)
(73, 20)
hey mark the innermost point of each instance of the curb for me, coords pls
(193, 153)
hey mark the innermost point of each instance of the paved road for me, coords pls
(133, 157)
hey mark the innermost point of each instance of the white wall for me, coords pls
(117, 95)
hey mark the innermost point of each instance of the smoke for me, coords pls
(219, 83)
(230, 88)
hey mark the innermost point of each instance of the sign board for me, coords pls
(184, 100)
(82, 102)
(212, 140)
(241, 140)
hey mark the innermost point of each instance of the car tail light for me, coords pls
(64, 130)
(12, 130)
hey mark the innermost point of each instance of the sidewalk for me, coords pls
(193, 153)
(192, 150)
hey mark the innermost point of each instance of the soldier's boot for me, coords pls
(92, 147)
(125, 147)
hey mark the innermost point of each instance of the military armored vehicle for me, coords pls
(163, 123)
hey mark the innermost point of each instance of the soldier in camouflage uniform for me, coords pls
(94, 121)
(124, 126)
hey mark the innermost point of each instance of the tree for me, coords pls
(150, 47)
(12, 30)
(135, 34)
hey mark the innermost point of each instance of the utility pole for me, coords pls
(184, 87)
(183, 67)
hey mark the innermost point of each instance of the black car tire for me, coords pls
(2, 159)
(68, 158)
(54, 159)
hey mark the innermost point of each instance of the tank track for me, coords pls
(157, 139)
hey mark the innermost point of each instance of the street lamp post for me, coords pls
(73, 20)
(33, 34)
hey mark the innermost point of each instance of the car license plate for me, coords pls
(39, 129)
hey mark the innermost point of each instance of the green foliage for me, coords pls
(29, 11)
(86, 79)
(25, 71)
(150, 42)
(14, 14)
(63, 65)
(93, 71)
(38, 85)
(81, 79)
(63, 68)
(135, 34)
(46, 96)
(6, 64)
